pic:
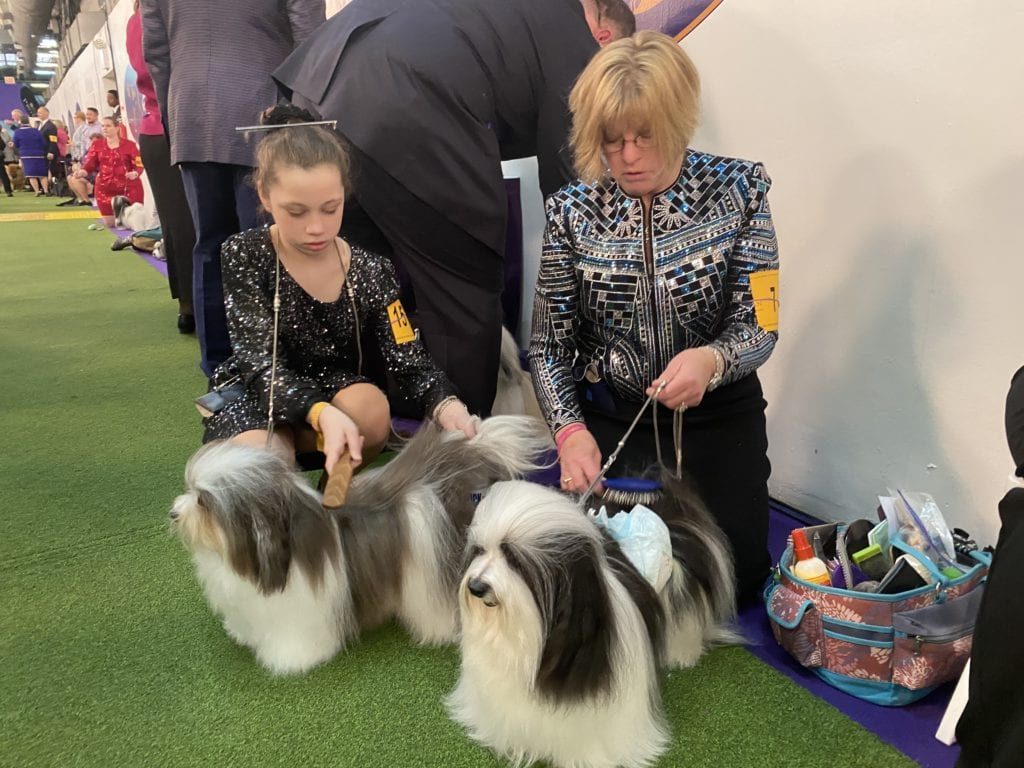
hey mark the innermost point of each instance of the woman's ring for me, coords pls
(566, 480)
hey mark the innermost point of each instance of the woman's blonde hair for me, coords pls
(644, 82)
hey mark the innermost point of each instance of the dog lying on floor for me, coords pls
(296, 583)
(562, 638)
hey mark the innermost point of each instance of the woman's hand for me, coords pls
(455, 417)
(80, 174)
(688, 375)
(580, 461)
(338, 432)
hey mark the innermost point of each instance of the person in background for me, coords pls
(48, 128)
(82, 186)
(204, 92)
(333, 299)
(85, 133)
(114, 102)
(72, 158)
(15, 122)
(647, 277)
(6, 156)
(179, 236)
(118, 168)
(59, 165)
(62, 140)
(32, 148)
(991, 729)
(446, 91)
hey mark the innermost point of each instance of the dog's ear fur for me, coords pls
(576, 661)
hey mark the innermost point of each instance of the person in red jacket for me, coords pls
(118, 168)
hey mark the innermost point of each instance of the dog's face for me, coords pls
(194, 522)
(247, 506)
(534, 593)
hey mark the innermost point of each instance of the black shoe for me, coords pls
(39, 194)
(186, 324)
(85, 202)
(121, 243)
(72, 201)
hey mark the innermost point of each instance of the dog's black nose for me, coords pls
(174, 515)
(478, 587)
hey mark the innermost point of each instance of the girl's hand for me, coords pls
(132, 175)
(580, 462)
(455, 417)
(338, 432)
(688, 375)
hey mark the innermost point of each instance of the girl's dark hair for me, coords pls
(302, 147)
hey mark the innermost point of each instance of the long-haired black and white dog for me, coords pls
(296, 583)
(562, 638)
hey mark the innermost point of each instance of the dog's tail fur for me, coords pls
(504, 448)
(702, 582)
(514, 393)
(417, 509)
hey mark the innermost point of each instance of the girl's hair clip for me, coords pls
(251, 128)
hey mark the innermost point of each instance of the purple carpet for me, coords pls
(910, 729)
(156, 264)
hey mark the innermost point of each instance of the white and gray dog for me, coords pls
(296, 583)
(562, 638)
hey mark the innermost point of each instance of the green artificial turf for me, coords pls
(108, 654)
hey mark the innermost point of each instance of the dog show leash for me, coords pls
(677, 436)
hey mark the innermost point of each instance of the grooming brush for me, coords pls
(337, 484)
(626, 492)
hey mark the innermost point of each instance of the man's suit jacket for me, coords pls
(439, 92)
(49, 131)
(211, 65)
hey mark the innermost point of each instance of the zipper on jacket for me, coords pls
(648, 245)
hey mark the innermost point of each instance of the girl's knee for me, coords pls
(368, 407)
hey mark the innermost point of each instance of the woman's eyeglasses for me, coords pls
(613, 147)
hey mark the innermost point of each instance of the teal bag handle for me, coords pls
(985, 558)
(940, 578)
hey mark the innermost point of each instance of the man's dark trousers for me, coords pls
(223, 202)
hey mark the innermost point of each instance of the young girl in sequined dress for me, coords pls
(334, 299)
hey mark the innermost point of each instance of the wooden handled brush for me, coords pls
(338, 483)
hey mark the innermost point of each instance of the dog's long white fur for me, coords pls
(314, 615)
(503, 639)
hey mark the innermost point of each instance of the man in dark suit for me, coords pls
(432, 95)
(991, 729)
(211, 65)
(49, 131)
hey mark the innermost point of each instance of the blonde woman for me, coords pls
(645, 279)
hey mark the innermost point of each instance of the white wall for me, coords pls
(892, 134)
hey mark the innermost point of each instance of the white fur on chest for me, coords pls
(290, 631)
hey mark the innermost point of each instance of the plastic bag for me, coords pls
(921, 525)
(644, 539)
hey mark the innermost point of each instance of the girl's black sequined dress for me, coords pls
(317, 354)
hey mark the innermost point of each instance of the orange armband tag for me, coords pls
(764, 287)
(401, 328)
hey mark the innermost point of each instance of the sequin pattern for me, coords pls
(317, 351)
(599, 303)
